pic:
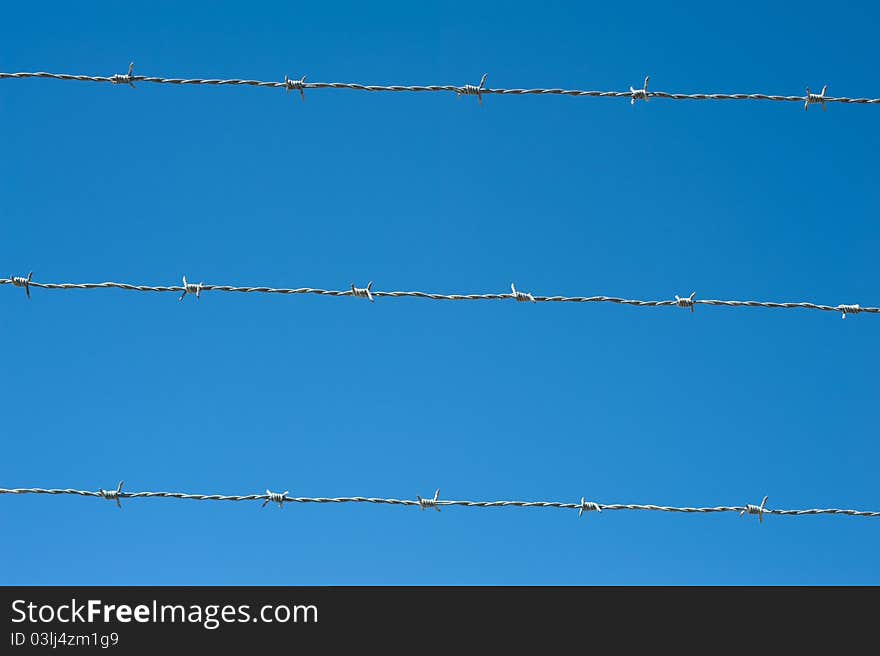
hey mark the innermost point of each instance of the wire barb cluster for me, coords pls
(587, 506)
(363, 292)
(815, 98)
(479, 91)
(367, 292)
(19, 281)
(752, 509)
(849, 309)
(275, 497)
(474, 89)
(298, 85)
(190, 288)
(521, 297)
(432, 502)
(112, 495)
(435, 502)
(124, 79)
(686, 302)
(639, 94)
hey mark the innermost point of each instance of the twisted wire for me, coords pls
(685, 302)
(466, 89)
(435, 502)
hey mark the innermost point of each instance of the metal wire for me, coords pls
(367, 292)
(467, 89)
(436, 502)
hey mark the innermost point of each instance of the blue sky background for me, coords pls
(336, 397)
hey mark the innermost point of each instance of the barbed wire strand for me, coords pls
(687, 302)
(479, 91)
(436, 502)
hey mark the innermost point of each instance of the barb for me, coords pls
(435, 502)
(368, 293)
(468, 89)
(124, 79)
(752, 509)
(430, 503)
(112, 495)
(849, 309)
(686, 302)
(299, 85)
(587, 506)
(190, 288)
(274, 497)
(475, 89)
(815, 98)
(363, 292)
(521, 297)
(19, 281)
(639, 94)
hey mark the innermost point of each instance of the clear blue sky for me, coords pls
(336, 397)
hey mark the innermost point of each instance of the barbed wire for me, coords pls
(478, 90)
(197, 289)
(436, 502)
